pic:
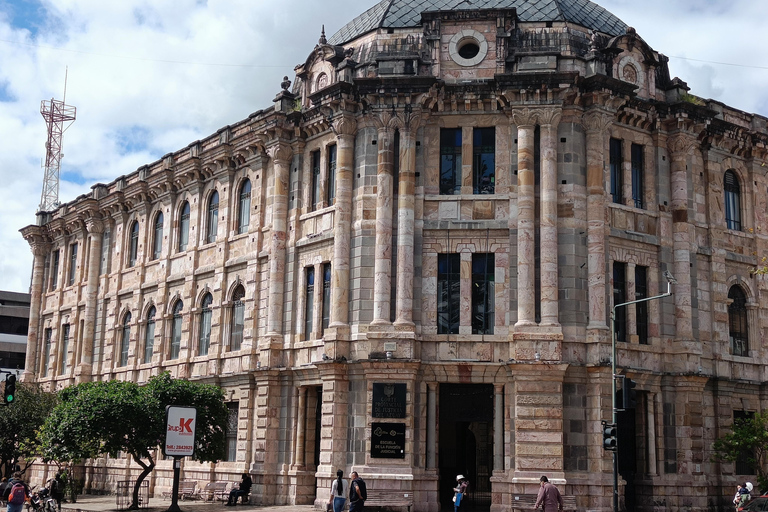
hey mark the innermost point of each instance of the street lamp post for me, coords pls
(670, 281)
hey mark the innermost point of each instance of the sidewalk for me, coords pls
(93, 503)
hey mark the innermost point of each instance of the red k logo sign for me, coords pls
(184, 425)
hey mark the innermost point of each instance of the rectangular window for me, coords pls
(238, 323)
(64, 347)
(448, 293)
(309, 294)
(620, 297)
(72, 263)
(483, 291)
(326, 297)
(105, 252)
(55, 269)
(641, 311)
(47, 351)
(314, 201)
(637, 175)
(176, 336)
(670, 439)
(231, 436)
(484, 160)
(617, 181)
(450, 161)
(330, 186)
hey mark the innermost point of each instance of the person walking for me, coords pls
(242, 490)
(357, 493)
(338, 492)
(18, 494)
(549, 497)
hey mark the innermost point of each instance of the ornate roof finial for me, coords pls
(285, 83)
(323, 40)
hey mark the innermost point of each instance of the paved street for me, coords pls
(88, 503)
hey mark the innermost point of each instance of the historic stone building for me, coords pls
(406, 266)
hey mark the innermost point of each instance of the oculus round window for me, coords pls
(468, 48)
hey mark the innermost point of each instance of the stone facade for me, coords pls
(455, 206)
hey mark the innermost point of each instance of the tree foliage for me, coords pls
(19, 423)
(747, 439)
(96, 418)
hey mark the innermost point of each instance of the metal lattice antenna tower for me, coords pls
(55, 113)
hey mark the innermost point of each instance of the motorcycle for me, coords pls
(41, 501)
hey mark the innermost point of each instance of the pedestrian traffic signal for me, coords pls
(629, 394)
(609, 436)
(10, 388)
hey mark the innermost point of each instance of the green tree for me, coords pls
(749, 439)
(19, 423)
(95, 418)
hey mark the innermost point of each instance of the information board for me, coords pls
(389, 400)
(388, 440)
(180, 425)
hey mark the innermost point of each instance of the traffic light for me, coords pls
(629, 394)
(10, 388)
(609, 436)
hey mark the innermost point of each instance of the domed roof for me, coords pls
(407, 13)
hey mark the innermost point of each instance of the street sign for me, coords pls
(180, 425)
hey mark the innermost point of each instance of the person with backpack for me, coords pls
(357, 493)
(56, 487)
(18, 495)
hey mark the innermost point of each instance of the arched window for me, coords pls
(176, 329)
(732, 201)
(157, 245)
(737, 322)
(134, 244)
(125, 340)
(244, 208)
(184, 227)
(149, 335)
(204, 338)
(213, 217)
(238, 318)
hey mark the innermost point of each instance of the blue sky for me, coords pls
(150, 76)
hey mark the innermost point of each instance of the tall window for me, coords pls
(106, 251)
(149, 335)
(737, 322)
(483, 310)
(448, 293)
(244, 208)
(309, 306)
(620, 297)
(125, 340)
(484, 160)
(157, 245)
(238, 318)
(134, 244)
(330, 186)
(55, 269)
(72, 263)
(732, 201)
(450, 161)
(47, 350)
(641, 308)
(176, 329)
(184, 227)
(314, 201)
(617, 179)
(638, 180)
(326, 297)
(213, 217)
(64, 347)
(231, 436)
(204, 338)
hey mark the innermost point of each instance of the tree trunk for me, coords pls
(147, 469)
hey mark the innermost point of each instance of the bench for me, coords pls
(378, 498)
(526, 502)
(212, 490)
(187, 489)
(223, 493)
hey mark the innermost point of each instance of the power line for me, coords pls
(720, 63)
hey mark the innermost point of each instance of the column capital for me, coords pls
(37, 240)
(280, 152)
(681, 144)
(344, 125)
(596, 122)
(94, 226)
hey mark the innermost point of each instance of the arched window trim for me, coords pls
(157, 242)
(149, 335)
(244, 207)
(738, 322)
(125, 339)
(133, 244)
(204, 333)
(732, 197)
(183, 233)
(176, 326)
(238, 318)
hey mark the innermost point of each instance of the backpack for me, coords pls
(361, 487)
(18, 494)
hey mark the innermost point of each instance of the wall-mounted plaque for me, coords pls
(388, 440)
(389, 400)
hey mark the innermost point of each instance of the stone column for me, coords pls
(681, 147)
(631, 310)
(549, 120)
(40, 248)
(498, 428)
(596, 124)
(382, 281)
(301, 425)
(526, 123)
(345, 129)
(85, 369)
(431, 423)
(281, 154)
(405, 227)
